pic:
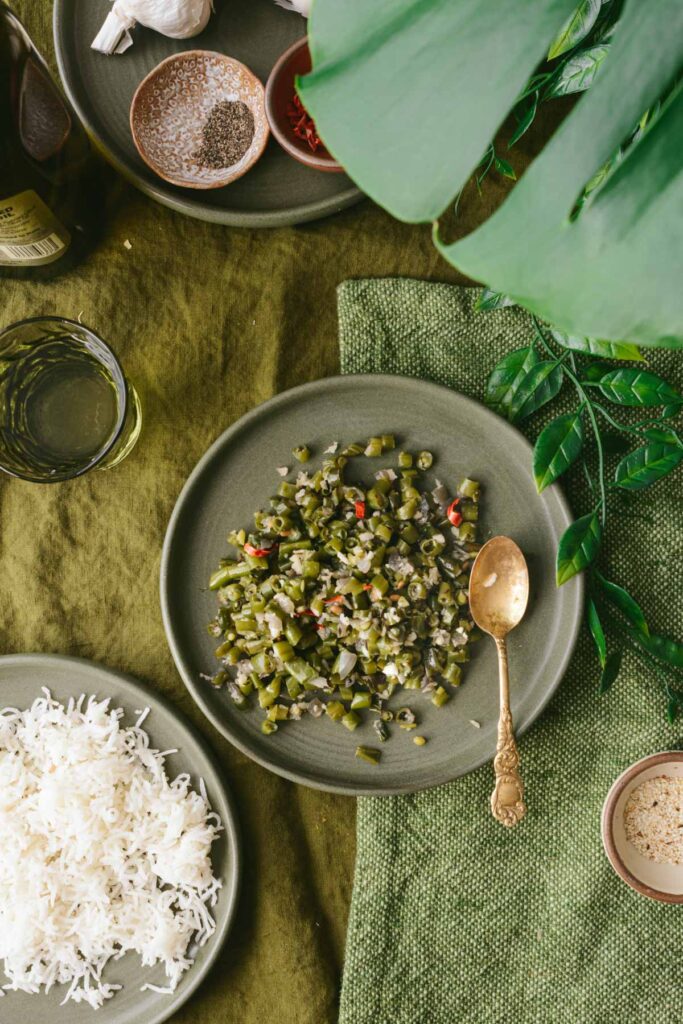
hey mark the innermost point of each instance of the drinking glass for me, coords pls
(65, 404)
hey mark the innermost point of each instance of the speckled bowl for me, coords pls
(171, 105)
(662, 882)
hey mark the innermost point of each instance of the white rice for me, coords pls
(100, 854)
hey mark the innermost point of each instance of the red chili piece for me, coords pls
(337, 599)
(303, 124)
(258, 552)
(454, 516)
(360, 509)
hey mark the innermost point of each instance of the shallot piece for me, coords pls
(177, 19)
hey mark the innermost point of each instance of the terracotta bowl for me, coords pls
(279, 92)
(658, 881)
(171, 105)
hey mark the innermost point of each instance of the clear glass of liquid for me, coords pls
(65, 404)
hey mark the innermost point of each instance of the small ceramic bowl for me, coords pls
(279, 93)
(171, 106)
(657, 881)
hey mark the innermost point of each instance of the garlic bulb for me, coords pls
(300, 6)
(178, 19)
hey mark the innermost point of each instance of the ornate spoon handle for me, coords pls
(507, 799)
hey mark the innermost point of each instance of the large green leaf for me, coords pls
(557, 446)
(576, 27)
(646, 465)
(616, 268)
(408, 94)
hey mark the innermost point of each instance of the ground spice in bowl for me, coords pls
(227, 134)
(653, 819)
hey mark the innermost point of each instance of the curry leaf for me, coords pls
(576, 28)
(505, 168)
(626, 604)
(597, 347)
(646, 465)
(506, 376)
(637, 387)
(610, 671)
(577, 74)
(597, 631)
(665, 435)
(578, 547)
(540, 385)
(662, 647)
(557, 446)
(524, 120)
(493, 300)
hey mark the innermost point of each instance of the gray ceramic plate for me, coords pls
(21, 679)
(277, 190)
(237, 475)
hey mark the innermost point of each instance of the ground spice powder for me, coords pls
(227, 134)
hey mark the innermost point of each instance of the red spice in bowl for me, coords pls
(289, 121)
(303, 124)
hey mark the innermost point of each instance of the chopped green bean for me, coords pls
(301, 453)
(369, 754)
(344, 594)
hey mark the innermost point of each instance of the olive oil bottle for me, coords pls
(50, 177)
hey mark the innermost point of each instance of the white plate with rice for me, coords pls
(116, 833)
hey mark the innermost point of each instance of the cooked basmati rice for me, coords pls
(100, 854)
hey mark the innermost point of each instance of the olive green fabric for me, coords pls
(454, 919)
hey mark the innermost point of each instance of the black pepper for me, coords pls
(226, 135)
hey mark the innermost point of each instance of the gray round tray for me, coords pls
(277, 190)
(21, 678)
(238, 474)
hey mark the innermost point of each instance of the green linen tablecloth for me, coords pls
(454, 919)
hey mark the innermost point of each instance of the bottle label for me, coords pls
(30, 234)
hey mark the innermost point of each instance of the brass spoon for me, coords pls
(499, 591)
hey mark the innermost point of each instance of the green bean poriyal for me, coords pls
(342, 594)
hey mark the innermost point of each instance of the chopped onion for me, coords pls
(347, 662)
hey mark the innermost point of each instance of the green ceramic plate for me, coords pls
(278, 190)
(238, 474)
(21, 679)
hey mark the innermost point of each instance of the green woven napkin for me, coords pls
(455, 919)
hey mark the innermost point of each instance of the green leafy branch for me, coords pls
(529, 378)
(574, 59)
